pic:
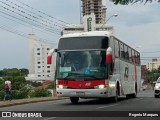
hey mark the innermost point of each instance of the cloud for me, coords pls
(133, 15)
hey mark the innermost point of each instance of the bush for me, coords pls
(2, 93)
(40, 93)
(25, 93)
(20, 94)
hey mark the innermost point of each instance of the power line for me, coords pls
(151, 52)
(44, 13)
(11, 30)
(26, 17)
(33, 16)
(33, 12)
(41, 12)
(43, 31)
(34, 24)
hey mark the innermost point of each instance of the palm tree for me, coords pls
(126, 2)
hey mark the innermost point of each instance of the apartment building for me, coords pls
(39, 70)
(153, 64)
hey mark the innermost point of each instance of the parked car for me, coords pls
(157, 88)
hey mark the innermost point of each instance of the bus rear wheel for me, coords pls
(115, 98)
(135, 94)
(74, 100)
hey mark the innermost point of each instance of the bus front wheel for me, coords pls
(74, 100)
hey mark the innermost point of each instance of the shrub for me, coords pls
(40, 93)
(20, 94)
(2, 93)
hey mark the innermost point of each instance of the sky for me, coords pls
(138, 25)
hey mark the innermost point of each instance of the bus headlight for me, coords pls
(99, 87)
(112, 85)
(60, 86)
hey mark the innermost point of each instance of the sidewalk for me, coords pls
(29, 100)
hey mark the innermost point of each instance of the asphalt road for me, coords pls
(145, 101)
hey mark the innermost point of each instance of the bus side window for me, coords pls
(126, 52)
(122, 51)
(130, 56)
(127, 55)
(117, 50)
(138, 57)
(112, 42)
(136, 60)
(122, 54)
(133, 59)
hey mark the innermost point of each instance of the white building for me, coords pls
(38, 68)
(153, 64)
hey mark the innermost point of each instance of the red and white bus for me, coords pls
(96, 65)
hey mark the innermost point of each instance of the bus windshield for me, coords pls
(81, 65)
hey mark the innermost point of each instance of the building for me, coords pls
(93, 18)
(39, 70)
(97, 7)
(153, 64)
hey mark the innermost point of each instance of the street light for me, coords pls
(115, 15)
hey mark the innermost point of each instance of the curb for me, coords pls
(27, 101)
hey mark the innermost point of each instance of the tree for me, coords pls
(51, 85)
(126, 2)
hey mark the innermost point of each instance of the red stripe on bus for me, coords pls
(81, 84)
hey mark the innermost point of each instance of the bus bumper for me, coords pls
(87, 93)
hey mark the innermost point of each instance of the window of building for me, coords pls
(48, 71)
(39, 75)
(38, 49)
(48, 75)
(38, 62)
(48, 48)
(39, 66)
(48, 66)
(38, 53)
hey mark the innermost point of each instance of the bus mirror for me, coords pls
(49, 59)
(49, 56)
(109, 55)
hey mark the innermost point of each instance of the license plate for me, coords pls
(80, 93)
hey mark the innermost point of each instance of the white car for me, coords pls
(157, 88)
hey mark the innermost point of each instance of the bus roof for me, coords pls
(85, 34)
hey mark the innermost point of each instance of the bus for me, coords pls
(95, 65)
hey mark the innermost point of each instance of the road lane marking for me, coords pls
(49, 118)
(107, 106)
(137, 99)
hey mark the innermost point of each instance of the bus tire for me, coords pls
(74, 100)
(156, 96)
(128, 96)
(135, 94)
(115, 98)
